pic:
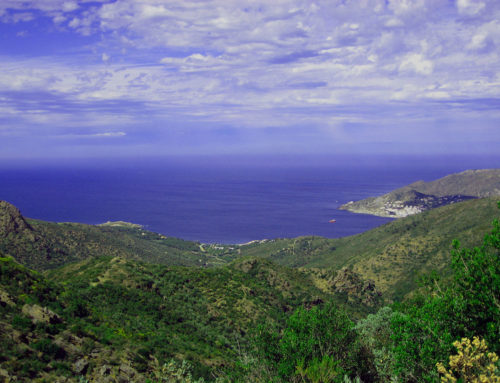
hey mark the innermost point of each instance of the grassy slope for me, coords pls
(38, 351)
(393, 254)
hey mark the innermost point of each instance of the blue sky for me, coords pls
(159, 77)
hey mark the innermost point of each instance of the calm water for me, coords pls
(215, 202)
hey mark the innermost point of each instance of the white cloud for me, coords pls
(75, 22)
(438, 95)
(69, 6)
(405, 7)
(152, 11)
(239, 60)
(487, 33)
(417, 63)
(470, 7)
(478, 41)
(59, 18)
(394, 22)
(108, 134)
(48, 6)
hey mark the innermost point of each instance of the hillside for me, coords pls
(48, 336)
(391, 255)
(108, 316)
(420, 196)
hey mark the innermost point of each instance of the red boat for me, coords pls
(332, 221)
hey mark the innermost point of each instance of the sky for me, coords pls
(131, 78)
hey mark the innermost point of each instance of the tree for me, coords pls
(477, 287)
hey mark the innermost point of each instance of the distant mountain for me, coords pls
(420, 196)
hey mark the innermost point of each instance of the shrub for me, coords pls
(49, 350)
(472, 364)
(21, 323)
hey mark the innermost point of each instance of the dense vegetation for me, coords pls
(404, 342)
(114, 318)
(107, 311)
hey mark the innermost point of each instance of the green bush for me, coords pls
(375, 334)
(316, 345)
(21, 323)
(49, 350)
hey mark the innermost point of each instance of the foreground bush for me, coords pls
(472, 363)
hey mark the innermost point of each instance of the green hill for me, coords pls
(391, 255)
(479, 183)
(47, 336)
(43, 245)
(115, 302)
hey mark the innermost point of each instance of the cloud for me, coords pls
(250, 64)
(69, 6)
(486, 36)
(406, 7)
(108, 134)
(292, 57)
(470, 7)
(417, 63)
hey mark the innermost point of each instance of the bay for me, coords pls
(217, 200)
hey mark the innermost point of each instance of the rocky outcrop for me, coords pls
(39, 314)
(129, 225)
(11, 220)
(4, 376)
(6, 299)
(80, 366)
(107, 373)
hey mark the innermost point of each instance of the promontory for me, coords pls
(420, 196)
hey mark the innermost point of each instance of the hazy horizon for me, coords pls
(407, 162)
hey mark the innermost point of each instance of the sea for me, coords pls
(226, 200)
